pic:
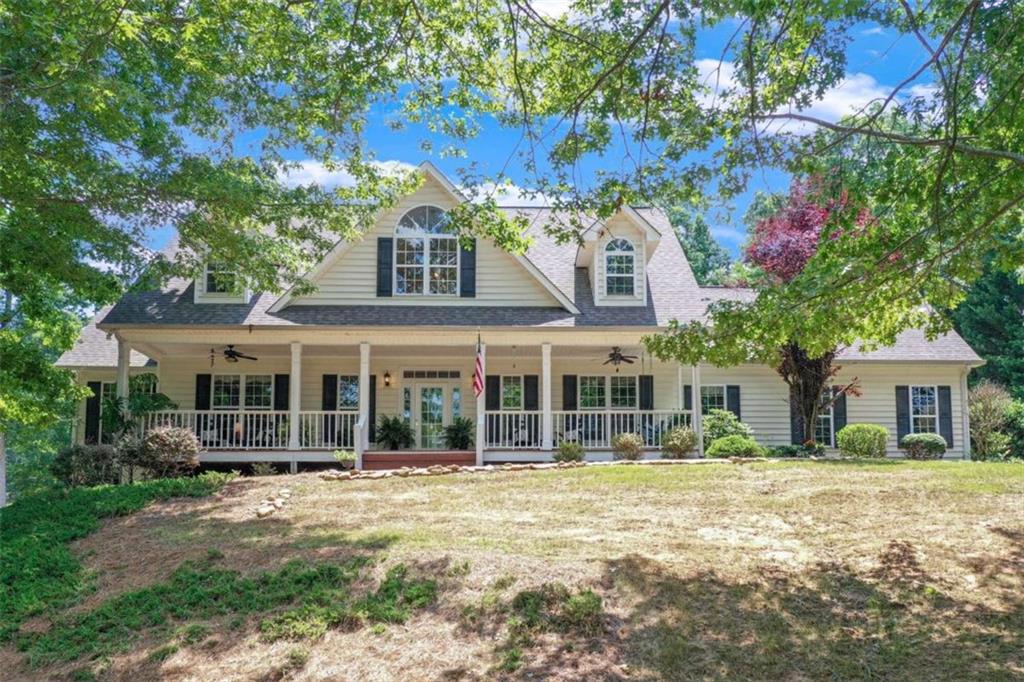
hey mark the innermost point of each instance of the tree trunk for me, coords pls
(808, 380)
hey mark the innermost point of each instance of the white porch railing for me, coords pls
(325, 430)
(227, 430)
(596, 428)
(512, 430)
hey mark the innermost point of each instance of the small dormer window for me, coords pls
(219, 278)
(620, 267)
(426, 255)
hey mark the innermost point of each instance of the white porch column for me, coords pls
(695, 408)
(295, 396)
(545, 397)
(965, 414)
(124, 356)
(481, 407)
(364, 401)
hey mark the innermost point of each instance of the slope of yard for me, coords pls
(774, 570)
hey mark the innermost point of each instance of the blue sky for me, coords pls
(877, 60)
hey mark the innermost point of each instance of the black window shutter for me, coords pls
(92, 413)
(281, 385)
(467, 270)
(568, 391)
(530, 386)
(732, 399)
(385, 263)
(203, 383)
(838, 415)
(329, 396)
(687, 397)
(946, 414)
(902, 412)
(796, 421)
(372, 417)
(646, 392)
(492, 401)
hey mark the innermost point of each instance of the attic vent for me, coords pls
(431, 374)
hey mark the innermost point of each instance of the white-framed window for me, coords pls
(824, 428)
(592, 392)
(259, 392)
(712, 397)
(219, 278)
(426, 255)
(620, 267)
(622, 392)
(226, 392)
(348, 392)
(512, 392)
(924, 409)
(617, 392)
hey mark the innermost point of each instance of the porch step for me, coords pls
(388, 459)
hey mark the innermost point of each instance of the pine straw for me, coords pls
(782, 570)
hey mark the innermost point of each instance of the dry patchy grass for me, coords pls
(774, 570)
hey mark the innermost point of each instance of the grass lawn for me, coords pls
(761, 571)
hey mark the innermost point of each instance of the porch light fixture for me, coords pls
(387, 378)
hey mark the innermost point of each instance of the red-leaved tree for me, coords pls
(779, 248)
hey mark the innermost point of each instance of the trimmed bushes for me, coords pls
(862, 440)
(169, 451)
(569, 451)
(923, 446)
(721, 423)
(86, 465)
(678, 443)
(735, 446)
(627, 446)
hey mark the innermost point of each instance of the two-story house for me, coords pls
(393, 329)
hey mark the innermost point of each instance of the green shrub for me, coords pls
(735, 446)
(678, 443)
(87, 465)
(169, 451)
(394, 433)
(862, 440)
(1014, 429)
(627, 446)
(923, 446)
(263, 469)
(569, 451)
(459, 434)
(988, 404)
(721, 423)
(346, 458)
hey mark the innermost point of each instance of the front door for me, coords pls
(431, 415)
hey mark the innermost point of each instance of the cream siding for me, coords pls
(620, 227)
(352, 278)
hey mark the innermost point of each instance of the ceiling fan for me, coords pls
(616, 357)
(230, 354)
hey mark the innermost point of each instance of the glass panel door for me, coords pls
(431, 417)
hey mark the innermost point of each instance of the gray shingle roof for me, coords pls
(673, 294)
(93, 349)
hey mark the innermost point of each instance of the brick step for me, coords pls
(416, 458)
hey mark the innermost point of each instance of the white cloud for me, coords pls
(873, 31)
(729, 235)
(507, 194)
(310, 171)
(552, 8)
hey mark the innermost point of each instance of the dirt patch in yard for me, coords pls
(790, 571)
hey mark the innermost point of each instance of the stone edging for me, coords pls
(272, 504)
(443, 469)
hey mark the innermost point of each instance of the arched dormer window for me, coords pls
(620, 268)
(426, 256)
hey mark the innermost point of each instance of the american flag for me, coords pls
(478, 373)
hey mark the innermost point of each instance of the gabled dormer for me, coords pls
(616, 253)
(217, 285)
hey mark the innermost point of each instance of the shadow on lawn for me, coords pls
(825, 622)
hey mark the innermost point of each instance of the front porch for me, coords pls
(301, 401)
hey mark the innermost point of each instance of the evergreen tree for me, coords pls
(708, 259)
(991, 319)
